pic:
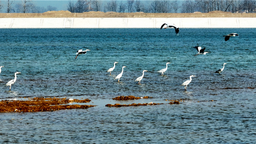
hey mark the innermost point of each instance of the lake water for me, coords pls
(46, 60)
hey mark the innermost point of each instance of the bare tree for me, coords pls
(81, 6)
(1, 6)
(18, 8)
(160, 6)
(122, 7)
(111, 6)
(174, 6)
(9, 6)
(96, 5)
(71, 6)
(26, 5)
(138, 6)
(130, 5)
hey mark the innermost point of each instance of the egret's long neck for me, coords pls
(190, 78)
(15, 77)
(143, 74)
(114, 65)
(223, 68)
(122, 70)
(166, 66)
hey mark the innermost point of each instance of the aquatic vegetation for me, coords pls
(130, 97)
(41, 105)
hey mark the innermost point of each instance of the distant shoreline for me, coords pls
(98, 14)
(66, 19)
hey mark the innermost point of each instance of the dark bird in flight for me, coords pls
(230, 35)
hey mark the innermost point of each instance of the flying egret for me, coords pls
(81, 52)
(141, 77)
(165, 25)
(120, 75)
(111, 69)
(230, 35)
(165, 69)
(220, 70)
(13, 80)
(186, 83)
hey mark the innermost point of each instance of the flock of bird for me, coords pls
(200, 50)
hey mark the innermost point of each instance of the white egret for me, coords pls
(165, 26)
(220, 70)
(230, 35)
(111, 69)
(13, 80)
(186, 83)
(120, 75)
(81, 52)
(1, 68)
(165, 69)
(141, 77)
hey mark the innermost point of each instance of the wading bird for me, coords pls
(81, 52)
(220, 70)
(186, 83)
(165, 26)
(120, 75)
(13, 80)
(165, 69)
(141, 77)
(230, 35)
(111, 69)
(1, 68)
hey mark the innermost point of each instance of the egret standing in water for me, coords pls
(13, 80)
(165, 69)
(141, 77)
(111, 69)
(81, 52)
(1, 68)
(120, 75)
(186, 83)
(220, 70)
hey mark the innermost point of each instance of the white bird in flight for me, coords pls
(81, 52)
(186, 83)
(141, 77)
(120, 75)
(13, 80)
(165, 69)
(165, 26)
(111, 69)
(220, 70)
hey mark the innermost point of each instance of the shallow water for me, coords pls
(46, 60)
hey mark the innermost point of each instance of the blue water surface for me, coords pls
(46, 60)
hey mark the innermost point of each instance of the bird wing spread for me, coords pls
(227, 38)
(163, 25)
(202, 50)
